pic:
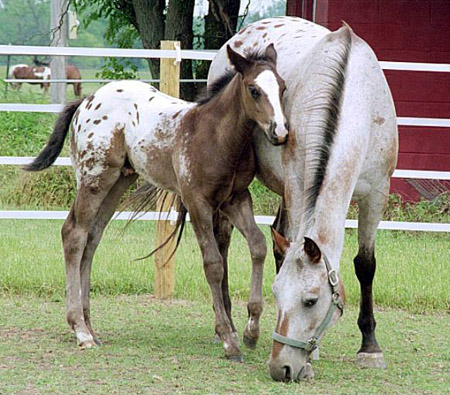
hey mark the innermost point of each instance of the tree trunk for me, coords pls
(220, 26)
(150, 24)
(179, 21)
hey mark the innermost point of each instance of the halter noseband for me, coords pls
(336, 302)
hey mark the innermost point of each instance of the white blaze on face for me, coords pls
(269, 85)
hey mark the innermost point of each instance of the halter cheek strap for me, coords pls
(336, 302)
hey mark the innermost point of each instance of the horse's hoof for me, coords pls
(85, 341)
(86, 345)
(370, 360)
(217, 339)
(249, 342)
(309, 373)
(235, 358)
(97, 341)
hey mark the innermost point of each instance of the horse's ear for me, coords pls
(271, 54)
(312, 250)
(281, 244)
(239, 62)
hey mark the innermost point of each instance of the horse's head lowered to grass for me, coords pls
(310, 299)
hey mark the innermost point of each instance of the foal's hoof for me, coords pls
(249, 342)
(86, 345)
(370, 360)
(85, 341)
(235, 358)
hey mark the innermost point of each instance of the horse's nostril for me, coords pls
(287, 372)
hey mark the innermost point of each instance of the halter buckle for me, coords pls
(333, 277)
(311, 344)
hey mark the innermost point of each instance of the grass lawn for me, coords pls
(152, 346)
(412, 268)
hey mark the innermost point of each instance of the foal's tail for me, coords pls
(145, 199)
(56, 141)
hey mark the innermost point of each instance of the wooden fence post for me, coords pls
(58, 25)
(164, 267)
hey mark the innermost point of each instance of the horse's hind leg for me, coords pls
(95, 234)
(239, 211)
(222, 233)
(370, 212)
(75, 233)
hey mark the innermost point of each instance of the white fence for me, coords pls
(205, 55)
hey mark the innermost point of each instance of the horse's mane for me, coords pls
(328, 111)
(219, 84)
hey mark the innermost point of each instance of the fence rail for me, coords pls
(203, 55)
(260, 219)
(65, 161)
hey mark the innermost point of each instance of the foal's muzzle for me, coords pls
(276, 134)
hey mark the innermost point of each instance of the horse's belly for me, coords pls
(153, 162)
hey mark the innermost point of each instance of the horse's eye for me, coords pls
(310, 302)
(254, 92)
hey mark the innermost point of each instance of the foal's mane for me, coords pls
(328, 110)
(220, 83)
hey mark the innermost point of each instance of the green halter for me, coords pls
(336, 302)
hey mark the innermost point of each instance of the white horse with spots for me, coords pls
(343, 145)
(200, 151)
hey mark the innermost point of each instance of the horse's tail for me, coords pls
(77, 89)
(145, 199)
(56, 141)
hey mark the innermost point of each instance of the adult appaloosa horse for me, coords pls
(342, 145)
(200, 151)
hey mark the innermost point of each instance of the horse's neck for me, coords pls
(232, 126)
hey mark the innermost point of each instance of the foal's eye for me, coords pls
(254, 92)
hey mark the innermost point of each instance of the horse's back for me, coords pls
(367, 96)
(125, 119)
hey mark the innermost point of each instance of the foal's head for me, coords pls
(262, 92)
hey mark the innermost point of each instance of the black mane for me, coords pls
(219, 85)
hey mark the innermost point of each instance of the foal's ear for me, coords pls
(271, 54)
(239, 62)
(312, 250)
(281, 243)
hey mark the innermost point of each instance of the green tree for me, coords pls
(152, 21)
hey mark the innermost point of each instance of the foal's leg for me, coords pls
(202, 220)
(239, 211)
(370, 212)
(75, 231)
(95, 234)
(222, 233)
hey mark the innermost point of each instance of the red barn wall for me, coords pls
(409, 31)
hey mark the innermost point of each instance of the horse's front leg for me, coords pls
(240, 212)
(201, 215)
(370, 212)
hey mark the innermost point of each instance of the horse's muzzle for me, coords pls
(274, 136)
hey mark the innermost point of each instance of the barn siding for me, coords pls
(409, 31)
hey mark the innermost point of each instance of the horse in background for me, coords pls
(200, 151)
(42, 72)
(25, 72)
